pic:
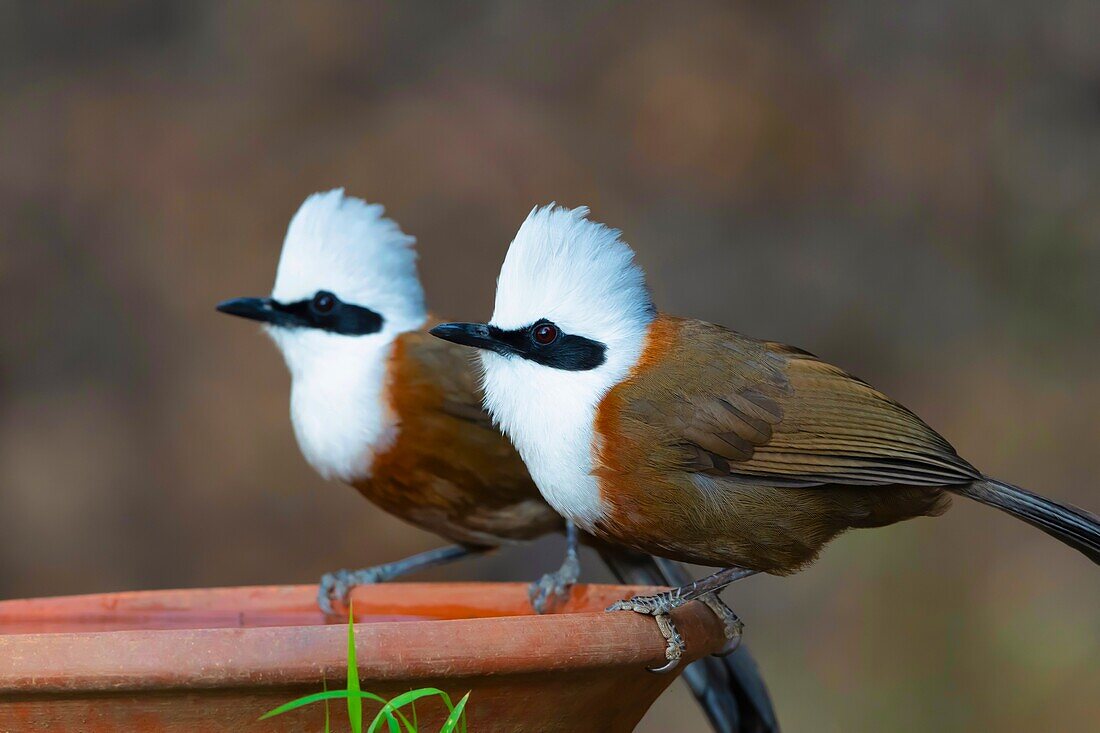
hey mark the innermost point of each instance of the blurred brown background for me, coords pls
(910, 191)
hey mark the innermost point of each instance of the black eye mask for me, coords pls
(565, 351)
(324, 311)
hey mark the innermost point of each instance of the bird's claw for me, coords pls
(332, 586)
(731, 624)
(553, 588)
(662, 604)
(337, 586)
(676, 645)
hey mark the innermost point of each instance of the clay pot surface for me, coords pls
(216, 659)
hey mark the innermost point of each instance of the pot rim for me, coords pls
(275, 636)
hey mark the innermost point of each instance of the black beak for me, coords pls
(478, 335)
(256, 309)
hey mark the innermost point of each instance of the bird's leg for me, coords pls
(553, 588)
(672, 599)
(662, 604)
(336, 586)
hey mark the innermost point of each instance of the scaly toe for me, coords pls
(674, 652)
(647, 605)
(732, 642)
(333, 586)
(731, 624)
(323, 601)
(549, 591)
(536, 593)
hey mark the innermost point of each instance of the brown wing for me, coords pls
(779, 416)
(454, 372)
(450, 471)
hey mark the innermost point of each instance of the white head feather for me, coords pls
(581, 276)
(345, 246)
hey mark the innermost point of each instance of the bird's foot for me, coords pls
(553, 589)
(337, 586)
(659, 607)
(732, 625)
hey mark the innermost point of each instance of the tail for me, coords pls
(730, 690)
(1076, 527)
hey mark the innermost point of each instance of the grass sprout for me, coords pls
(390, 714)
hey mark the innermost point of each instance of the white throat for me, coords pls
(338, 405)
(549, 414)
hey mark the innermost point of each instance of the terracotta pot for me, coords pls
(216, 659)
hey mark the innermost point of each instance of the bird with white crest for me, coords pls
(686, 440)
(376, 403)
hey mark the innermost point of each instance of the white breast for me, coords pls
(338, 405)
(548, 414)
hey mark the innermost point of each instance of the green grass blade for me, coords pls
(407, 698)
(457, 714)
(410, 727)
(387, 713)
(355, 703)
(318, 697)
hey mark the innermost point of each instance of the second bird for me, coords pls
(686, 440)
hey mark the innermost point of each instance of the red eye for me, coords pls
(545, 334)
(324, 302)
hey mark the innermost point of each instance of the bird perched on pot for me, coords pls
(379, 404)
(685, 440)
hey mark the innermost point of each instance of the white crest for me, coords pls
(344, 245)
(575, 272)
(582, 276)
(338, 406)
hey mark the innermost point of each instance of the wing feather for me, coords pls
(777, 415)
